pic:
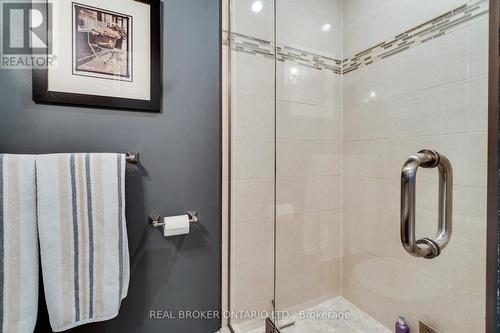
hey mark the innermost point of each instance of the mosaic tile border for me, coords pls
(248, 44)
(430, 30)
(257, 46)
(304, 58)
(421, 34)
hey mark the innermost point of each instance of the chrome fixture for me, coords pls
(426, 247)
(132, 158)
(155, 220)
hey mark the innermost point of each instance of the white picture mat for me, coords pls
(60, 75)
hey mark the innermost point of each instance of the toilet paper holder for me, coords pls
(155, 220)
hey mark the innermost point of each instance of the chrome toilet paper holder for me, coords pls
(155, 220)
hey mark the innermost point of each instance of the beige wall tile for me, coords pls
(252, 75)
(252, 282)
(252, 199)
(308, 158)
(252, 158)
(308, 85)
(252, 241)
(246, 20)
(437, 110)
(478, 49)
(478, 102)
(308, 121)
(299, 25)
(308, 194)
(371, 302)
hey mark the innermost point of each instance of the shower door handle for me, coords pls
(426, 247)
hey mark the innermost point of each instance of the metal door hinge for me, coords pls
(270, 327)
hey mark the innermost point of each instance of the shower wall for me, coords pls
(426, 90)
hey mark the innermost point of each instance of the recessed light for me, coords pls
(257, 6)
(294, 73)
(326, 27)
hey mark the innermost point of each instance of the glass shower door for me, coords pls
(308, 160)
(251, 99)
(360, 87)
(327, 100)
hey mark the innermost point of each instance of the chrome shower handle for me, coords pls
(426, 247)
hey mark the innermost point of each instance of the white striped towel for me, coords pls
(83, 236)
(18, 244)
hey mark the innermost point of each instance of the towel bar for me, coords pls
(132, 158)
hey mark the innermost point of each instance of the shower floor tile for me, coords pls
(359, 322)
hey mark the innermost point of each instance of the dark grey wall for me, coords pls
(180, 154)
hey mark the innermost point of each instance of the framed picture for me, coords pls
(105, 53)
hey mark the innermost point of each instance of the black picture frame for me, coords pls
(42, 95)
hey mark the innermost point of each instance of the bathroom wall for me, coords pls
(180, 169)
(427, 90)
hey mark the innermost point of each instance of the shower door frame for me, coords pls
(493, 191)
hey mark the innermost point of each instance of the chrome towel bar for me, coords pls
(426, 247)
(132, 158)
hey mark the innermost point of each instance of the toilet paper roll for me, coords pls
(176, 225)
